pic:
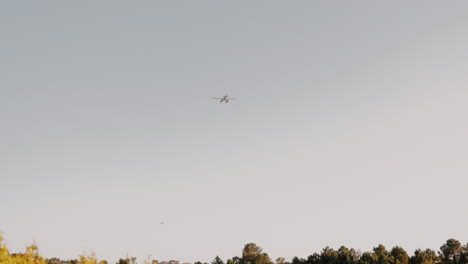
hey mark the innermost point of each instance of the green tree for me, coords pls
(347, 256)
(297, 260)
(234, 260)
(329, 256)
(427, 256)
(313, 259)
(252, 254)
(398, 256)
(366, 258)
(450, 251)
(380, 255)
(217, 260)
(464, 255)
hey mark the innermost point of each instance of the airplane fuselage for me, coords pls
(225, 98)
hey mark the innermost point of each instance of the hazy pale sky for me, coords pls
(350, 126)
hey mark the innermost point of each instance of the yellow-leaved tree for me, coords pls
(88, 259)
(31, 256)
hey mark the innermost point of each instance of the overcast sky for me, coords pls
(350, 126)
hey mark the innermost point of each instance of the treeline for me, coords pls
(451, 252)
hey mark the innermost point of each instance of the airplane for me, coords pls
(224, 99)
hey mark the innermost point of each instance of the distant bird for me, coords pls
(224, 99)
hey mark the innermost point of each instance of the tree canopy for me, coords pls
(451, 252)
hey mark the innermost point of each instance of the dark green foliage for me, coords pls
(329, 256)
(366, 258)
(348, 256)
(380, 255)
(464, 255)
(297, 260)
(314, 259)
(450, 252)
(217, 260)
(398, 256)
(427, 256)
